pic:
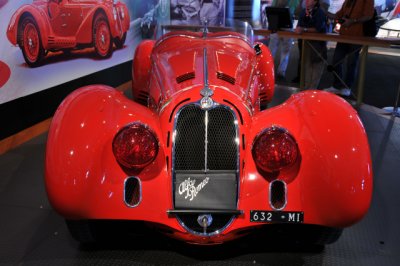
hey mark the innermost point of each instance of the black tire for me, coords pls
(102, 39)
(82, 231)
(30, 42)
(119, 43)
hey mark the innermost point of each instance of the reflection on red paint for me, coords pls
(5, 73)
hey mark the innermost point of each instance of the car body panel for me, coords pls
(331, 182)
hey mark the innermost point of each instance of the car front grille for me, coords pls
(193, 131)
(206, 141)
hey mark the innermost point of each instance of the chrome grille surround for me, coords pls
(204, 151)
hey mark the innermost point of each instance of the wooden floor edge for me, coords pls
(25, 135)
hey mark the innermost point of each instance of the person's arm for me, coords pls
(351, 21)
(368, 14)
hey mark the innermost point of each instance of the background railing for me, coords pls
(365, 43)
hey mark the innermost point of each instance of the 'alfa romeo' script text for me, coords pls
(189, 188)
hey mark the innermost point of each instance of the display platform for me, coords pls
(31, 233)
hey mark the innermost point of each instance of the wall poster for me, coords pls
(45, 43)
(193, 12)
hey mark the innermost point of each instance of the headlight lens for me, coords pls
(135, 146)
(274, 149)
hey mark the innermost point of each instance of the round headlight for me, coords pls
(274, 149)
(135, 146)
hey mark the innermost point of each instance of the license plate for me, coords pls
(276, 217)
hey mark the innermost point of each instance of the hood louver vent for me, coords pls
(143, 98)
(185, 77)
(226, 77)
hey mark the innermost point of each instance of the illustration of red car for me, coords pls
(54, 25)
(194, 155)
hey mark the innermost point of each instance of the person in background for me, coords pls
(353, 14)
(212, 11)
(324, 6)
(313, 19)
(284, 44)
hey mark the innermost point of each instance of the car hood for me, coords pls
(179, 62)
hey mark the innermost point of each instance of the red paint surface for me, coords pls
(5, 73)
(331, 184)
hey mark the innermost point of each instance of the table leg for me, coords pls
(361, 75)
(303, 65)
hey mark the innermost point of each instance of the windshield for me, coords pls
(241, 27)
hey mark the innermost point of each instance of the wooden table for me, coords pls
(365, 43)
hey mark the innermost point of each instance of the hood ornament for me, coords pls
(206, 102)
(204, 20)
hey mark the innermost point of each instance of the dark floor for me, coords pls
(31, 233)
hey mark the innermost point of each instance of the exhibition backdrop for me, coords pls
(17, 79)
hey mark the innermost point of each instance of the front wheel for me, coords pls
(102, 37)
(30, 42)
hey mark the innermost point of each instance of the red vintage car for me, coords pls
(54, 25)
(194, 155)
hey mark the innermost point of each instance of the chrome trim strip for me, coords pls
(205, 234)
(233, 212)
(206, 142)
(246, 40)
(270, 200)
(140, 192)
(205, 70)
(234, 37)
(172, 35)
(206, 92)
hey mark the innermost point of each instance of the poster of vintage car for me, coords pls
(45, 43)
(194, 12)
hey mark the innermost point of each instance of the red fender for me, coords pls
(265, 70)
(141, 69)
(40, 18)
(86, 26)
(116, 29)
(126, 21)
(77, 135)
(334, 183)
